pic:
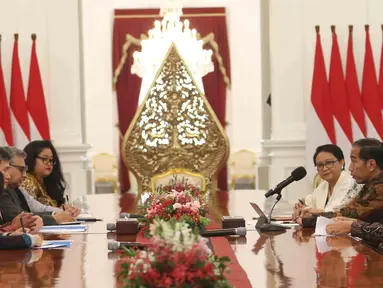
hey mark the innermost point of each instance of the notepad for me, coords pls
(320, 228)
(54, 244)
(65, 229)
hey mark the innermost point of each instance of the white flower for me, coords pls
(195, 205)
(177, 206)
(181, 237)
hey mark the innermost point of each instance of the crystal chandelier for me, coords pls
(172, 30)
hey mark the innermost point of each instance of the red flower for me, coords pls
(168, 203)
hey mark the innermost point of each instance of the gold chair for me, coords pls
(196, 179)
(105, 169)
(243, 167)
(317, 181)
(175, 128)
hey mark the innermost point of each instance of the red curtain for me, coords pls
(210, 22)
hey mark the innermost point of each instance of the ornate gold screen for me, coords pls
(174, 127)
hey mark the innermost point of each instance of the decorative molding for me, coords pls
(263, 159)
(281, 144)
(69, 149)
(294, 148)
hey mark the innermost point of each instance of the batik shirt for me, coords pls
(371, 233)
(37, 191)
(366, 206)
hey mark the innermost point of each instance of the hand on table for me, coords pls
(74, 211)
(29, 220)
(300, 213)
(37, 223)
(340, 227)
(37, 241)
(61, 217)
(19, 232)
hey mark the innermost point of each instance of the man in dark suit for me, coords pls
(11, 235)
(30, 221)
(14, 201)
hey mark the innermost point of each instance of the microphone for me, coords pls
(114, 245)
(111, 227)
(296, 175)
(131, 215)
(240, 231)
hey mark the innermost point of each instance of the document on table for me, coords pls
(320, 228)
(63, 229)
(54, 244)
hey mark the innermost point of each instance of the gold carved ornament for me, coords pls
(131, 40)
(175, 127)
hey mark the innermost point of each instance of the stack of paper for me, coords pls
(320, 228)
(65, 229)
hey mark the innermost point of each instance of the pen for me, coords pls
(301, 201)
(22, 223)
(67, 199)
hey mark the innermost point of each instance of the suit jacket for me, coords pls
(12, 204)
(15, 242)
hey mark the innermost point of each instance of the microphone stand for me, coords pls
(268, 226)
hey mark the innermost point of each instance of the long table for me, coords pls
(283, 259)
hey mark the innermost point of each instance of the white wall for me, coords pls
(59, 57)
(245, 105)
(56, 24)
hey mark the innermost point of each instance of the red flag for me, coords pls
(5, 116)
(320, 97)
(381, 77)
(353, 91)
(370, 91)
(338, 92)
(36, 100)
(18, 103)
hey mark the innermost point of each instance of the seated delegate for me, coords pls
(32, 222)
(338, 187)
(366, 168)
(371, 233)
(13, 201)
(45, 181)
(12, 237)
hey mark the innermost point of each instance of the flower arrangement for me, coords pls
(178, 200)
(179, 257)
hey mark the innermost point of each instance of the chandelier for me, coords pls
(172, 30)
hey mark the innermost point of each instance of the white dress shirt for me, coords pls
(36, 206)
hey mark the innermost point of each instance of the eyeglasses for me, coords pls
(328, 164)
(47, 161)
(20, 168)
